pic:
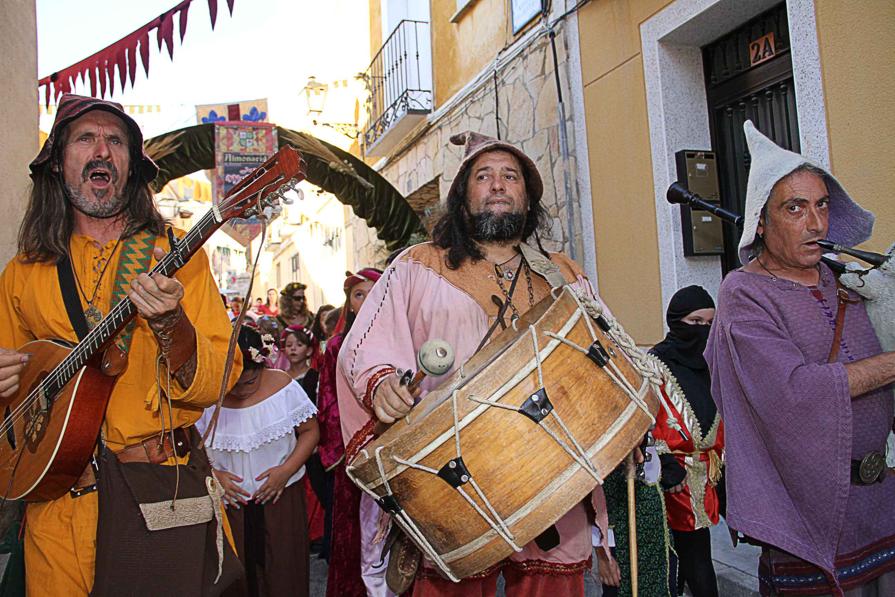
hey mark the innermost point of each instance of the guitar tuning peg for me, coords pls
(271, 211)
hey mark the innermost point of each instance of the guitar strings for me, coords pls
(59, 373)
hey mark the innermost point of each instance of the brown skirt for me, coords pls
(272, 542)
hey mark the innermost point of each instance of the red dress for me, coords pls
(695, 507)
(344, 573)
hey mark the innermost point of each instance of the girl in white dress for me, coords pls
(265, 433)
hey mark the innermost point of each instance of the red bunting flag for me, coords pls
(99, 69)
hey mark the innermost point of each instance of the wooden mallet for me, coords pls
(436, 357)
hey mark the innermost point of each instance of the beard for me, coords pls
(491, 227)
(98, 206)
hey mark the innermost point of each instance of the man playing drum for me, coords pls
(804, 389)
(470, 282)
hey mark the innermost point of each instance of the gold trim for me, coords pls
(697, 469)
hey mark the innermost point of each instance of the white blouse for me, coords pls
(250, 440)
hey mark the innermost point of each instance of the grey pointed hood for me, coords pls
(850, 224)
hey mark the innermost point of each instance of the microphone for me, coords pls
(676, 193)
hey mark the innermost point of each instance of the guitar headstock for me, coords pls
(265, 186)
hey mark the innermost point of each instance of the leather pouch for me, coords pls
(403, 561)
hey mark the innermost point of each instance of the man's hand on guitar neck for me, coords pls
(156, 298)
(11, 365)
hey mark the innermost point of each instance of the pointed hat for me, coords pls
(850, 224)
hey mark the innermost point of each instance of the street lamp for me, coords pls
(315, 93)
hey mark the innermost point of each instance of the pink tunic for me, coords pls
(420, 298)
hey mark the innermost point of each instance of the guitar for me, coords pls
(50, 427)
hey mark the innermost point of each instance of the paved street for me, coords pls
(736, 569)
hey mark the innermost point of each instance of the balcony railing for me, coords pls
(399, 80)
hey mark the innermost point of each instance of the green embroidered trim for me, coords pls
(136, 254)
(653, 540)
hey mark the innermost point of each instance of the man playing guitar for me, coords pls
(91, 211)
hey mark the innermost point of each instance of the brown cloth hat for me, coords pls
(476, 144)
(73, 106)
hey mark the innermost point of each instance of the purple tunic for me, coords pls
(792, 427)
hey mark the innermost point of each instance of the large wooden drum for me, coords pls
(514, 438)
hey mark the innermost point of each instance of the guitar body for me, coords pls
(45, 451)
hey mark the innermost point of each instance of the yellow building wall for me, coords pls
(856, 50)
(375, 27)
(461, 50)
(18, 119)
(620, 163)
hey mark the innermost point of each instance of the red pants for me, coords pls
(518, 584)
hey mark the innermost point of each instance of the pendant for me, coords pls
(93, 316)
(508, 275)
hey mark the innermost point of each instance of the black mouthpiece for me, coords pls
(676, 193)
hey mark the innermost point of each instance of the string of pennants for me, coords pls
(99, 68)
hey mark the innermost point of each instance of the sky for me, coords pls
(266, 49)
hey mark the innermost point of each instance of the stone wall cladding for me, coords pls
(528, 117)
(369, 251)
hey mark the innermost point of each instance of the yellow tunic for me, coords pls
(58, 556)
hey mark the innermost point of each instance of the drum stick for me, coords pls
(632, 523)
(414, 382)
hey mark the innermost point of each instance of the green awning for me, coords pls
(334, 170)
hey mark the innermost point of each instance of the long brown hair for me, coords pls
(49, 219)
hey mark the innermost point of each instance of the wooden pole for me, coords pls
(632, 523)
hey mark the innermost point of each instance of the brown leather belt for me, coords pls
(157, 449)
(86, 482)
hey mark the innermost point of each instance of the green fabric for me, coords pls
(652, 534)
(13, 583)
(336, 171)
(136, 254)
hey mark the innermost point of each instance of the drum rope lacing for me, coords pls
(496, 523)
(577, 454)
(645, 365)
(401, 516)
(649, 366)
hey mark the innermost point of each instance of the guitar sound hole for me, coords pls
(10, 431)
